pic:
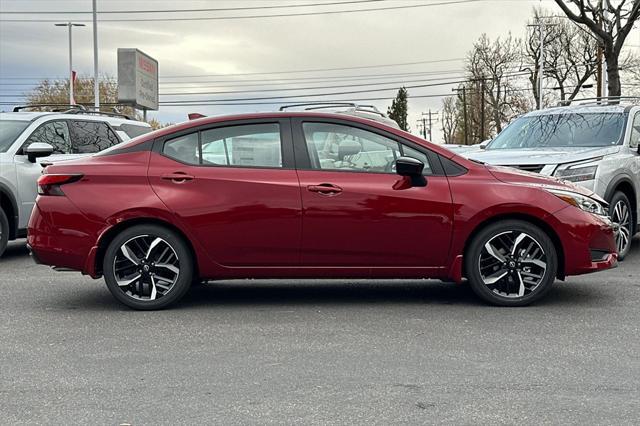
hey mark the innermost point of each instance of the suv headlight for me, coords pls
(580, 201)
(577, 173)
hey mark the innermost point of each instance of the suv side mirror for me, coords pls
(37, 150)
(411, 168)
(347, 148)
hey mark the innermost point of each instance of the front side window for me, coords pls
(90, 137)
(340, 147)
(562, 130)
(635, 132)
(9, 132)
(56, 134)
(252, 145)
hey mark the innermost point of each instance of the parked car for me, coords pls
(30, 139)
(593, 145)
(303, 195)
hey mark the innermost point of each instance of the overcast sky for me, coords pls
(437, 36)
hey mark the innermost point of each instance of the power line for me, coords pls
(281, 15)
(222, 9)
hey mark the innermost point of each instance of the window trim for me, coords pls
(286, 142)
(303, 160)
(636, 117)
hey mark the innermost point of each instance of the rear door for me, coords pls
(235, 187)
(356, 210)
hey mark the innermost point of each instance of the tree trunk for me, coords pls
(613, 73)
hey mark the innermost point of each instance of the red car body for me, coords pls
(244, 222)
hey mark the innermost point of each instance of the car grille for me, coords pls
(534, 168)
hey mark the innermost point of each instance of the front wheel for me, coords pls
(148, 267)
(511, 263)
(620, 211)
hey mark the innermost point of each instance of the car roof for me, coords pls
(580, 109)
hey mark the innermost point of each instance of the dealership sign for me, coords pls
(137, 79)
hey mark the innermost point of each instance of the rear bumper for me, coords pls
(59, 235)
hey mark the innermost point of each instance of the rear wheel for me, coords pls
(620, 211)
(4, 232)
(511, 263)
(148, 267)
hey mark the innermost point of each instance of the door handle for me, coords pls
(178, 177)
(325, 189)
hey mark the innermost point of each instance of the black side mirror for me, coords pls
(37, 150)
(411, 168)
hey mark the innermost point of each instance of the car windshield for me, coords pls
(9, 132)
(562, 130)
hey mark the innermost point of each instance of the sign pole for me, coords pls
(96, 84)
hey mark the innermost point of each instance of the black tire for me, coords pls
(4, 232)
(619, 198)
(477, 257)
(128, 294)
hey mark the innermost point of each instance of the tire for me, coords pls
(503, 279)
(4, 232)
(161, 259)
(620, 211)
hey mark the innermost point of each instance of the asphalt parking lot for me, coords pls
(317, 352)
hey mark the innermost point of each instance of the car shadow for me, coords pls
(15, 249)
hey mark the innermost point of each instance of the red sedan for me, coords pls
(301, 195)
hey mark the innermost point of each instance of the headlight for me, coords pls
(577, 173)
(583, 202)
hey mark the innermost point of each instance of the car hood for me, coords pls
(535, 156)
(519, 177)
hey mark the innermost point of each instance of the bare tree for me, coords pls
(449, 119)
(493, 63)
(570, 55)
(610, 22)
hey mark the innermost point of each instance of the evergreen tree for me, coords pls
(399, 109)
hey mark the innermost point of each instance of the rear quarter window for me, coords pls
(89, 137)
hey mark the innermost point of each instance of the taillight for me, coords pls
(50, 184)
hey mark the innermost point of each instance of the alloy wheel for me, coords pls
(146, 267)
(621, 216)
(512, 264)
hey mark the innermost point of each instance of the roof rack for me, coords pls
(73, 109)
(603, 100)
(328, 105)
(67, 107)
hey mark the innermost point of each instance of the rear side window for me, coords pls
(56, 134)
(89, 137)
(252, 145)
(133, 130)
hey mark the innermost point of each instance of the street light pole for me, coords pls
(70, 25)
(96, 84)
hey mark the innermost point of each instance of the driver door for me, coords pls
(355, 212)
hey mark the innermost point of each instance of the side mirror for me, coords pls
(37, 150)
(411, 168)
(485, 144)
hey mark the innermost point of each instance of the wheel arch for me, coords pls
(624, 184)
(525, 218)
(111, 233)
(10, 207)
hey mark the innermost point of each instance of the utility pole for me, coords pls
(604, 4)
(482, 103)
(96, 83)
(464, 107)
(542, 27)
(70, 25)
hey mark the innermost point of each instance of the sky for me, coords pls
(265, 57)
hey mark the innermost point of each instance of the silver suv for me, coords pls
(594, 145)
(30, 140)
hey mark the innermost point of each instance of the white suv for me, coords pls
(31, 140)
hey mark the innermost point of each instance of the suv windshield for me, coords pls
(562, 130)
(9, 132)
